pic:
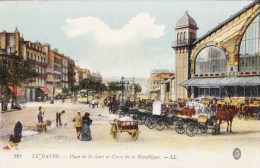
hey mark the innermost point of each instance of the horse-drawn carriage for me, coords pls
(119, 126)
(191, 125)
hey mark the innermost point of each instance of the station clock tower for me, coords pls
(185, 34)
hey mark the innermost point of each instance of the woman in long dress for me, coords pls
(86, 132)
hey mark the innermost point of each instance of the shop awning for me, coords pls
(45, 90)
(222, 81)
(15, 90)
(57, 91)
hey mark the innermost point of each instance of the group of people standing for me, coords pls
(82, 125)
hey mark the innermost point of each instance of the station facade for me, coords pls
(225, 62)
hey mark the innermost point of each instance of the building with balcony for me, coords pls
(225, 62)
(160, 85)
(64, 74)
(56, 63)
(71, 74)
(11, 41)
(80, 74)
(35, 54)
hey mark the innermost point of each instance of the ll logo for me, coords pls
(236, 153)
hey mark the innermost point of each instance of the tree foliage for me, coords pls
(138, 87)
(16, 71)
(89, 84)
(113, 86)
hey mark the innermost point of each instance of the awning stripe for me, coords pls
(222, 81)
(45, 90)
(15, 90)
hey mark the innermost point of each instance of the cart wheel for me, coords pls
(160, 125)
(192, 129)
(169, 123)
(135, 135)
(179, 127)
(151, 123)
(215, 129)
(142, 120)
(203, 128)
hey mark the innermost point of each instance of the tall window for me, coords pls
(181, 37)
(210, 60)
(249, 53)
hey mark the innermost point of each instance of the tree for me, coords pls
(138, 87)
(65, 90)
(19, 71)
(15, 72)
(112, 86)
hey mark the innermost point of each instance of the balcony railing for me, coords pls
(183, 42)
(34, 62)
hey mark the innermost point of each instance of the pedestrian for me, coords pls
(78, 123)
(40, 114)
(86, 132)
(93, 103)
(63, 98)
(58, 117)
(15, 138)
(110, 106)
(2, 104)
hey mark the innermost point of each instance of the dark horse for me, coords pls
(226, 114)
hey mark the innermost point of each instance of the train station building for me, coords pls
(225, 62)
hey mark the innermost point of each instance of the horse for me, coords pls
(248, 111)
(226, 114)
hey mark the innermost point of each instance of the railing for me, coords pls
(34, 62)
(182, 42)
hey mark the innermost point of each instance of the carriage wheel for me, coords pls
(192, 129)
(169, 123)
(179, 127)
(215, 129)
(146, 122)
(135, 135)
(142, 120)
(160, 125)
(151, 123)
(203, 128)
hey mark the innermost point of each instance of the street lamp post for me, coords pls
(122, 83)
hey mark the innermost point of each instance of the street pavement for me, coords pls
(201, 150)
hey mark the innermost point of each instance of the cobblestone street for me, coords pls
(162, 143)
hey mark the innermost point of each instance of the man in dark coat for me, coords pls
(18, 131)
(16, 138)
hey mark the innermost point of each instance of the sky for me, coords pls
(115, 38)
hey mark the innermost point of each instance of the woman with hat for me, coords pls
(86, 132)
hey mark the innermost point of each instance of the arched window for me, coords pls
(181, 37)
(178, 37)
(184, 36)
(210, 60)
(249, 52)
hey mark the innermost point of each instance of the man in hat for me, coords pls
(40, 114)
(78, 123)
(58, 117)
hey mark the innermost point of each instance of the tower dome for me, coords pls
(186, 21)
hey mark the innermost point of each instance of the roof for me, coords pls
(227, 21)
(222, 81)
(186, 20)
